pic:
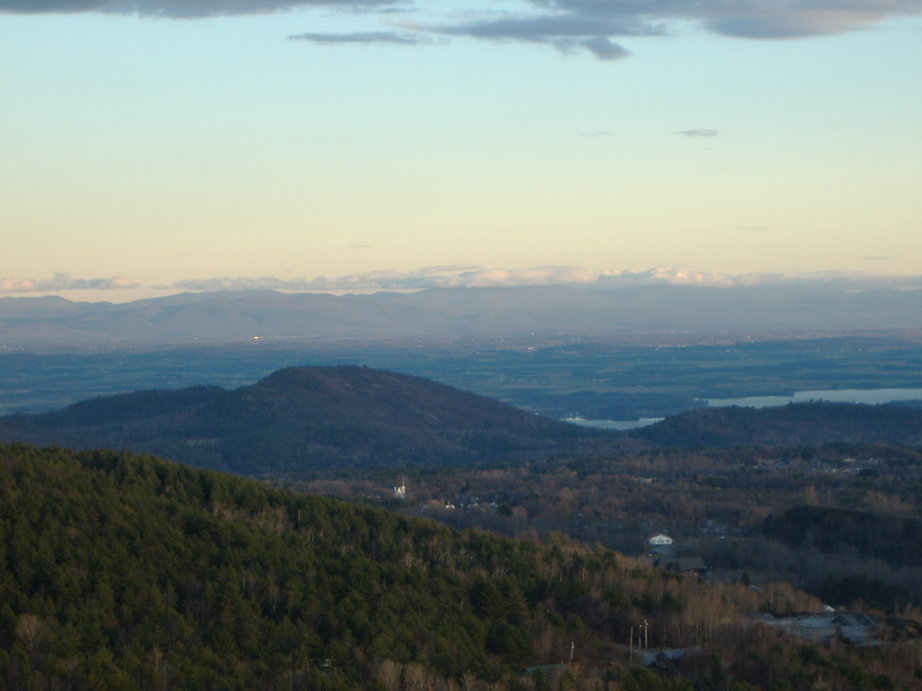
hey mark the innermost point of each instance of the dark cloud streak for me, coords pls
(176, 9)
(543, 27)
(362, 37)
(590, 25)
(604, 49)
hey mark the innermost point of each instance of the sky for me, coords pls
(166, 145)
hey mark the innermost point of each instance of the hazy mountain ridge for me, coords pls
(222, 317)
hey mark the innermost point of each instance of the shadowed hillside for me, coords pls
(796, 424)
(306, 418)
(893, 539)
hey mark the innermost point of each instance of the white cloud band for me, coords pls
(468, 276)
(62, 282)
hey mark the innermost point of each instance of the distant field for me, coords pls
(593, 379)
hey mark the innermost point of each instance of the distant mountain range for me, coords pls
(310, 418)
(223, 317)
(304, 419)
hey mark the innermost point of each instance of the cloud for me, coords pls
(176, 9)
(466, 276)
(769, 23)
(242, 283)
(667, 275)
(603, 48)
(367, 37)
(592, 26)
(699, 133)
(543, 27)
(537, 276)
(565, 31)
(451, 276)
(460, 276)
(427, 277)
(63, 281)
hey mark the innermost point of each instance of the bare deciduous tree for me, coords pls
(30, 630)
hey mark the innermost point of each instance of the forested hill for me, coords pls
(128, 572)
(307, 418)
(125, 572)
(796, 424)
(302, 419)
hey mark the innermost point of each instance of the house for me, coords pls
(659, 540)
(660, 544)
(400, 491)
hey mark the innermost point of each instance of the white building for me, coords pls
(659, 540)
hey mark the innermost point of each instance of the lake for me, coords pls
(613, 424)
(870, 396)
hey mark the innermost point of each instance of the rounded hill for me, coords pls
(308, 418)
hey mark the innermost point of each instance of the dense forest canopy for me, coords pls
(124, 571)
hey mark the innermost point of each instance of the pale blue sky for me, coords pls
(179, 150)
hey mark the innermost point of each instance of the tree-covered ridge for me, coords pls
(807, 424)
(304, 418)
(122, 571)
(136, 572)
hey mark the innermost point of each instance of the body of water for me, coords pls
(613, 424)
(870, 396)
